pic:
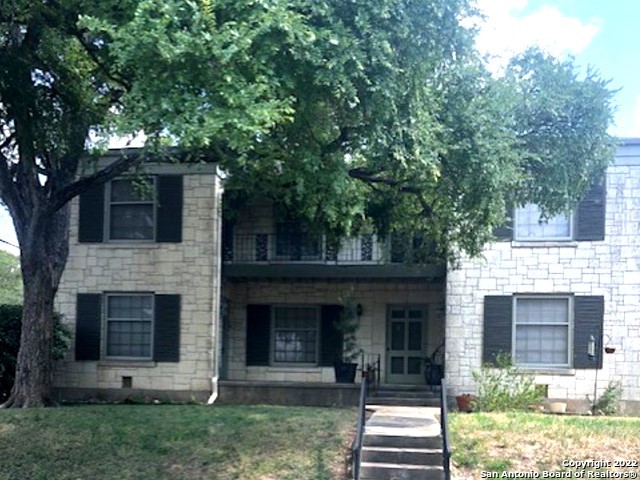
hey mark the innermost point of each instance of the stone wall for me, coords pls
(610, 268)
(190, 268)
(371, 337)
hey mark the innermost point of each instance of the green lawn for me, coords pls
(532, 441)
(175, 442)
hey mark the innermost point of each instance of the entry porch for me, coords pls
(278, 335)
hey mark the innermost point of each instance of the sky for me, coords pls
(602, 34)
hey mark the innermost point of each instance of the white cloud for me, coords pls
(507, 31)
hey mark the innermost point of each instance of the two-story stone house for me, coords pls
(164, 302)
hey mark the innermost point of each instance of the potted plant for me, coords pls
(466, 402)
(347, 325)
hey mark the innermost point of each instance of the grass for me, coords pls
(517, 441)
(175, 442)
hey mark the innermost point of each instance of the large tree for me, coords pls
(371, 114)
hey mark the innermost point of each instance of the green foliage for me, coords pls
(367, 115)
(168, 442)
(609, 402)
(467, 451)
(503, 387)
(10, 279)
(10, 323)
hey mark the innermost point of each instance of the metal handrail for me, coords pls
(370, 368)
(446, 451)
(356, 447)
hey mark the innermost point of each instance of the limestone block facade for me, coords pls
(608, 268)
(188, 269)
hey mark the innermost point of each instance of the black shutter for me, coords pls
(498, 330)
(91, 218)
(88, 326)
(166, 330)
(588, 320)
(258, 334)
(590, 215)
(330, 337)
(504, 232)
(169, 211)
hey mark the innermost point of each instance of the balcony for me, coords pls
(301, 255)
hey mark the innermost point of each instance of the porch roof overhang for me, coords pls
(390, 272)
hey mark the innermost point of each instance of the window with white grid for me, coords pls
(129, 326)
(528, 225)
(542, 331)
(296, 334)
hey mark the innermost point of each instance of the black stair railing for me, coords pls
(370, 365)
(444, 425)
(356, 447)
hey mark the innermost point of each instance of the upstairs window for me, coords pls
(529, 227)
(119, 212)
(131, 210)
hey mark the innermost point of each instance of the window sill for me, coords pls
(127, 363)
(566, 372)
(124, 244)
(544, 243)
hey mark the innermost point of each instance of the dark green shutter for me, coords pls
(504, 232)
(498, 330)
(88, 326)
(590, 214)
(166, 329)
(91, 218)
(169, 210)
(330, 338)
(258, 334)
(588, 320)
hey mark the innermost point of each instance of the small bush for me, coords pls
(10, 323)
(503, 387)
(609, 401)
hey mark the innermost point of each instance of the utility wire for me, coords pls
(9, 243)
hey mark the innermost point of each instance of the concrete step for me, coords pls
(404, 401)
(399, 471)
(412, 456)
(402, 441)
(404, 393)
(405, 387)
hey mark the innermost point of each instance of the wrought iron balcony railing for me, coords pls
(306, 248)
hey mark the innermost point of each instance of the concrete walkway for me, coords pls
(402, 443)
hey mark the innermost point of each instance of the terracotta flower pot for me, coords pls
(466, 402)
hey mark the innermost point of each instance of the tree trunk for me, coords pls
(44, 249)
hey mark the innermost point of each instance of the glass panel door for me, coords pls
(406, 340)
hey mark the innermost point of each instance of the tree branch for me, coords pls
(9, 191)
(375, 178)
(64, 195)
(8, 139)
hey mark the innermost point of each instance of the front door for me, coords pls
(406, 341)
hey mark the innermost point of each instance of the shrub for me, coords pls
(503, 387)
(10, 323)
(609, 401)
